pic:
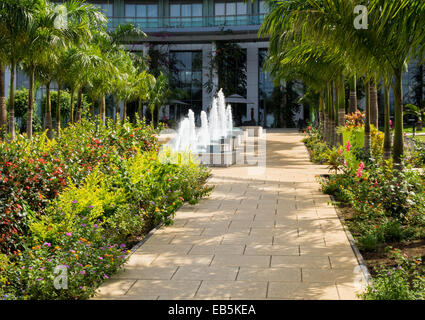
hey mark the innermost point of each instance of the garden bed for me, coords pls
(383, 208)
(71, 209)
(381, 256)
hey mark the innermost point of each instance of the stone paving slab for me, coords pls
(263, 233)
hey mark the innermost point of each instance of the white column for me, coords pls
(7, 81)
(252, 81)
(145, 50)
(121, 109)
(207, 50)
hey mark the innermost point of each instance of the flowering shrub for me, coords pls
(356, 119)
(34, 172)
(82, 198)
(389, 204)
(403, 281)
(70, 267)
(318, 149)
(29, 177)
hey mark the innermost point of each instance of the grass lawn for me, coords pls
(410, 130)
(422, 138)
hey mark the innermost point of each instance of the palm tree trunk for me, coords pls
(12, 101)
(321, 110)
(341, 107)
(398, 118)
(124, 112)
(103, 108)
(48, 121)
(140, 109)
(3, 109)
(72, 105)
(367, 139)
(30, 103)
(374, 111)
(332, 115)
(79, 102)
(335, 111)
(353, 95)
(328, 114)
(92, 110)
(58, 111)
(387, 132)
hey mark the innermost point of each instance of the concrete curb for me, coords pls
(366, 274)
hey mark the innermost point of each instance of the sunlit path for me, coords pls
(266, 236)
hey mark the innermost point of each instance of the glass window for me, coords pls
(106, 8)
(141, 10)
(186, 71)
(263, 9)
(242, 8)
(152, 10)
(186, 10)
(230, 9)
(130, 10)
(220, 9)
(197, 10)
(175, 10)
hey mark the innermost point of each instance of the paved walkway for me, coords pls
(267, 236)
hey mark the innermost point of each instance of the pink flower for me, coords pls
(348, 146)
(345, 163)
(376, 183)
(68, 234)
(360, 170)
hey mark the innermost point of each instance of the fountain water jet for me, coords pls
(216, 137)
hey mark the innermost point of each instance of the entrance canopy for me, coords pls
(178, 102)
(235, 98)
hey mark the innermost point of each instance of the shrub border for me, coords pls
(151, 233)
(366, 274)
(145, 238)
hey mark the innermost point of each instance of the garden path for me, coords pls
(260, 235)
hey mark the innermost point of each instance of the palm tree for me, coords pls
(401, 28)
(125, 81)
(3, 109)
(394, 35)
(110, 45)
(416, 111)
(158, 94)
(144, 81)
(289, 47)
(16, 18)
(374, 110)
(353, 95)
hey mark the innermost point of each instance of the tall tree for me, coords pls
(16, 18)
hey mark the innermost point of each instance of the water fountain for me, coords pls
(216, 142)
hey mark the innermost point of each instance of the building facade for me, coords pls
(187, 30)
